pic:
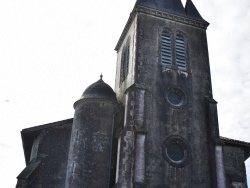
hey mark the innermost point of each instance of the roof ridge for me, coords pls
(234, 140)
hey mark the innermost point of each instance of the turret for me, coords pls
(91, 155)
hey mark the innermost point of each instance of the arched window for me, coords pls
(125, 61)
(180, 52)
(166, 52)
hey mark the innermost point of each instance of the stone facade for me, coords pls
(160, 126)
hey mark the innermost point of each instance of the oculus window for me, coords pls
(175, 97)
(176, 151)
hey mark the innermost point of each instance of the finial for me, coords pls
(101, 76)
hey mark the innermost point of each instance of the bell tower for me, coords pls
(159, 129)
(163, 80)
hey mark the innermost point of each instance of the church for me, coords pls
(158, 128)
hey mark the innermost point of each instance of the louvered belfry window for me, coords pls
(166, 53)
(180, 51)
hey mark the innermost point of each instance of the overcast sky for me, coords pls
(51, 50)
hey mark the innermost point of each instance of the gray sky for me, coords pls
(51, 50)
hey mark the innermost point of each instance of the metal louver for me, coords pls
(180, 52)
(166, 56)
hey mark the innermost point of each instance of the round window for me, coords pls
(176, 151)
(175, 97)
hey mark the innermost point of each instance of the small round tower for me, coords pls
(90, 153)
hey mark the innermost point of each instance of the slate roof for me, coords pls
(192, 11)
(174, 7)
(237, 143)
(30, 134)
(99, 90)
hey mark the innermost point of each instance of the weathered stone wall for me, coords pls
(90, 155)
(162, 120)
(48, 161)
(234, 165)
(120, 88)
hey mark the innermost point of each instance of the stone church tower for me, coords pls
(159, 129)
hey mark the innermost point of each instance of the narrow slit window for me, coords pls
(180, 51)
(123, 60)
(166, 53)
(127, 60)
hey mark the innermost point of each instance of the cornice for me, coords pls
(125, 30)
(172, 17)
(86, 100)
(135, 86)
(160, 14)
